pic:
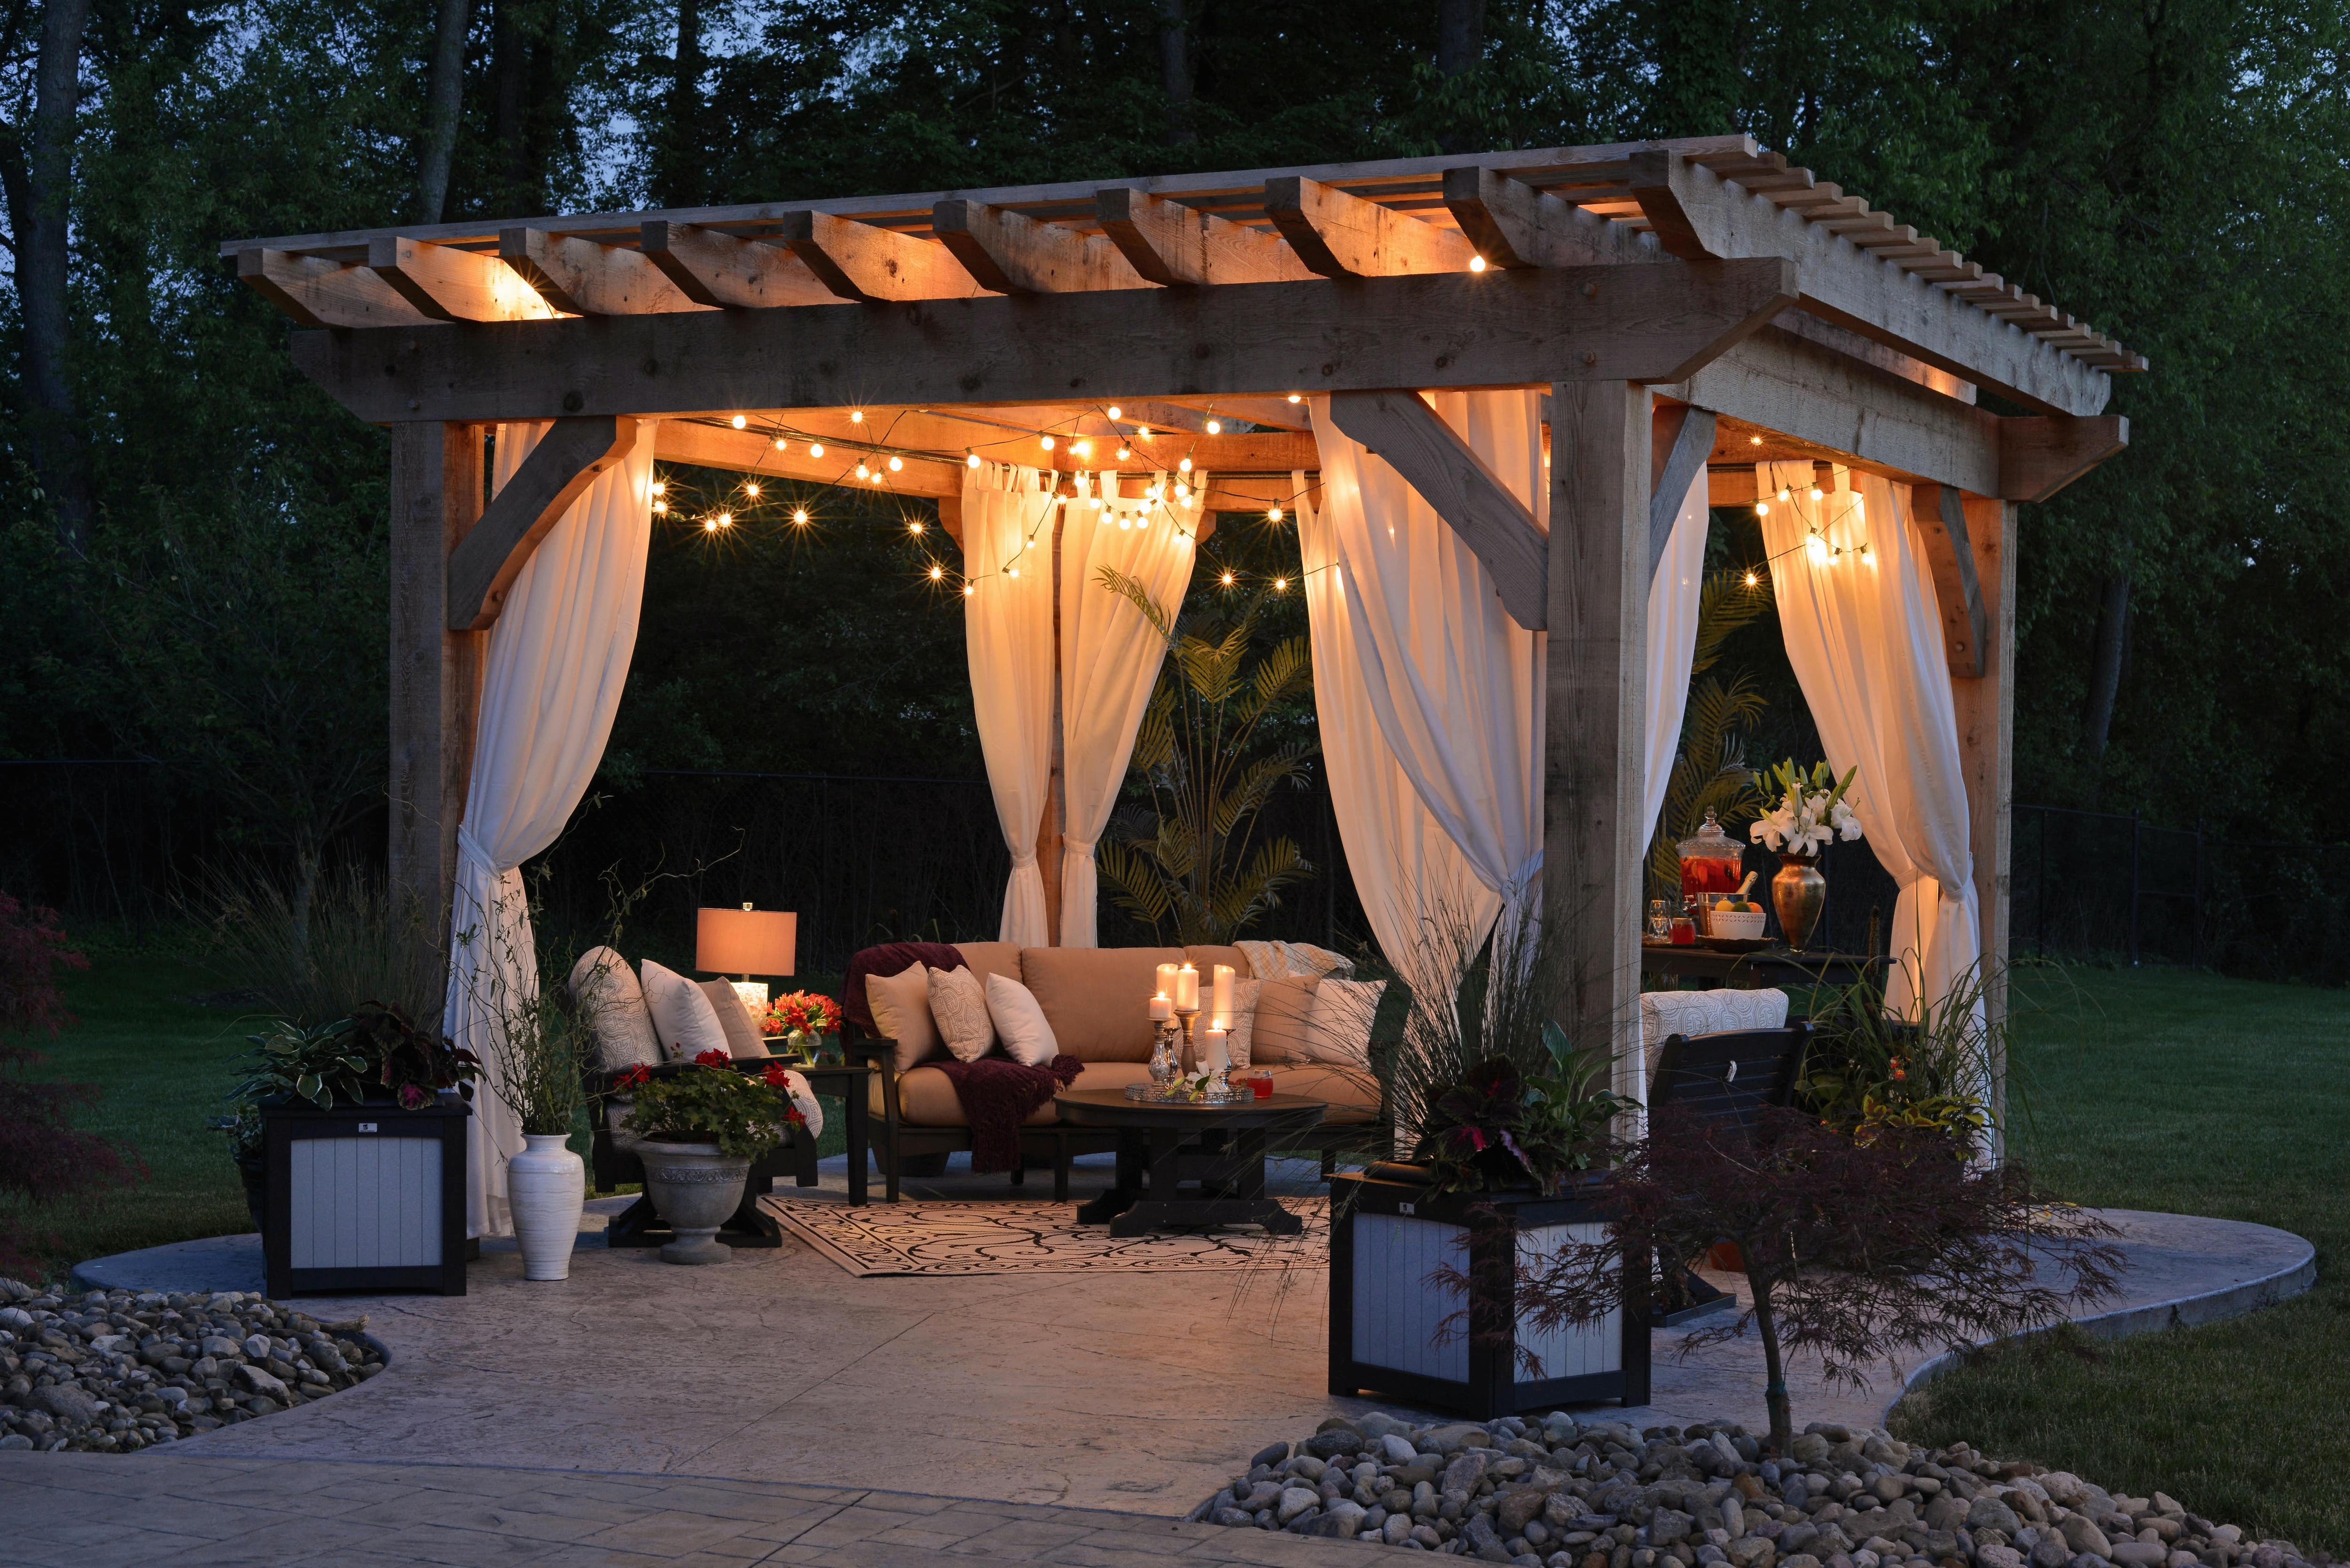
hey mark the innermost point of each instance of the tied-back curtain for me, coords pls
(1455, 684)
(1414, 881)
(1110, 656)
(558, 659)
(1864, 632)
(1007, 551)
(1673, 595)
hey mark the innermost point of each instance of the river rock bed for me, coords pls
(117, 1371)
(1554, 1492)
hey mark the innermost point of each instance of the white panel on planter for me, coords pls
(1575, 1349)
(364, 1203)
(1397, 1311)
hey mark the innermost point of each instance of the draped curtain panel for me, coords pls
(1008, 551)
(558, 659)
(1110, 658)
(1864, 632)
(1673, 595)
(1455, 685)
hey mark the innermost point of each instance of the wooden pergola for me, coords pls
(1682, 302)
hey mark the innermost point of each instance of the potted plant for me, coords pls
(703, 1125)
(539, 1077)
(804, 1020)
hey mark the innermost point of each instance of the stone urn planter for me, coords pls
(694, 1187)
(547, 1186)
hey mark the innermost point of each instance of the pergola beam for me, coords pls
(445, 283)
(319, 293)
(1175, 246)
(2038, 457)
(1012, 255)
(1411, 439)
(1339, 234)
(867, 263)
(1684, 440)
(713, 268)
(558, 471)
(1939, 511)
(581, 277)
(1495, 329)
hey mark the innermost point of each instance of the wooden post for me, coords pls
(1985, 708)
(1595, 744)
(436, 676)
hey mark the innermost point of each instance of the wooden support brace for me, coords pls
(1341, 235)
(450, 284)
(1172, 244)
(1011, 253)
(1940, 514)
(1512, 225)
(558, 472)
(316, 291)
(713, 268)
(581, 277)
(2038, 457)
(865, 262)
(1679, 453)
(1401, 429)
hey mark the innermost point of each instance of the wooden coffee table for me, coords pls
(1222, 1146)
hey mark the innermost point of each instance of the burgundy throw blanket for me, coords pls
(997, 1095)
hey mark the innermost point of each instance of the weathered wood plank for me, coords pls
(436, 681)
(319, 293)
(1512, 225)
(558, 472)
(1173, 244)
(1853, 288)
(1685, 453)
(450, 284)
(1497, 329)
(2040, 456)
(581, 277)
(1407, 435)
(1342, 236)
(1012, 255)
(864, 262)
(1594, 837)
(1939, 511)
(1985, 708)
(713, 268)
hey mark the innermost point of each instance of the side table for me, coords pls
(847, 1080)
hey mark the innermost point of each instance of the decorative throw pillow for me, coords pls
(1279, 1023)
(1242, 1033)
(688, 1025)
(1339, 1030)
(804, 1101)
(607, 993)
(744, 1041)
(1020, 1022)
(902, 1012)
(959, 1008)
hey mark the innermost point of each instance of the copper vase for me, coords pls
(1799, 893)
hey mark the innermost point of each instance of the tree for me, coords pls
(444, 98)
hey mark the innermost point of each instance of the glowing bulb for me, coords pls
(857, 416)
(1750, 579)
(1280, 584)
(1815, 492)
(1094, 502)
(740, 422)
(971, 460)
(1476, 264)
(876, 478)
(1048, 443)
(661, 508)
(1125, 453)
(1754, 441)
(1123, 523)
(1142, 430)
(1152, 494)
(1273, 514)
(1115, 411)
(1184, 466)
(1818, 547)
(1227, 580)
(966, 590)
(799, 515)
(913, 524)
(937, 572)
(815, 449)
(710, 525)
(1786, 494)
(726, 519)
(1012, 571)
(1215, 427)
(1182, 492)
(862, 471)
(752, 490)
(781, 445)
(1762, 509)
(1295, 397)
(660, 487)
(896, 464)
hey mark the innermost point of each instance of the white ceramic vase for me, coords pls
(547, 1186)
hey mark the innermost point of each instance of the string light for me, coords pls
(1115, 411)
(1182, 492)
(971, 460)
(751, 489)
(913, 524)
(1754, 441)
(896, 464)
(1215, 427)
(1142, 430)
(799, 515)
(1296, 397)
(876, 478)
(863, 471)
(966, 590)
(1048, 443)
(1815, 493)
(740, 422)
(1226, 579)
(1184, 466)
(1273, 514)
(1750, 579)
(1476, 264)
(1125, 453)
(937, 572)
(782, 445)
(661, 508)
(1280, 584)
(1786, 494)
(1762, 509)
(1012, 571)
(1082, 448)
(815, 449)
(857, 416)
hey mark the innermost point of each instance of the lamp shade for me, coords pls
(746, 941)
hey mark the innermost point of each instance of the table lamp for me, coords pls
(746, 941)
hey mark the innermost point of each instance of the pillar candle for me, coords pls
(1187, 990)
(1162, 1008)
(1216, 1059)
(1223, 995)
(1167, 981)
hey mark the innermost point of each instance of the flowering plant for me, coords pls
(800, 1012)
(707, 1101)
(1810, 810)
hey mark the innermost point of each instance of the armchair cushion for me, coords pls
(902, 1012)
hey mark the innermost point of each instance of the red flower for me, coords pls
(778, 1075)
(632, 1077)
(713, 1058)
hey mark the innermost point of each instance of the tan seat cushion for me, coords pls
(991, 957)
(1097, 1000)
(1284, 1014)
(927, 1098)
(1352, 1096)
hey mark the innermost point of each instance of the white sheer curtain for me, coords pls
(1672, 637)
(1456, 686)
(558, 659)
(1412, 878)
(1007, 551)
(1863, 633)
(1110, 656)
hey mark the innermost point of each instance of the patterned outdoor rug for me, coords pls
(1010, 1237)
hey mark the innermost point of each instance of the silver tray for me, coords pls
(1145, 1093)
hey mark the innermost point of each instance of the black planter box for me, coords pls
(1388, 1232)
(365, 1198)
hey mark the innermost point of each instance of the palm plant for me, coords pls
(1710, 773)
(1186, 861)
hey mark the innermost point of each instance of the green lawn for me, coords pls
(2168, 1090)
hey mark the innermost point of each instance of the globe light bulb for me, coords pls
(1273, 514)
(1048, 443)
(751, 489)
(799, 515)
(857, 416)
(815, 449)
(972, 461)
(1215, 427)
(1297, 398)
(740, 422)
(1476, 264)
(1115, 412)
(937, 572)
(897, 463)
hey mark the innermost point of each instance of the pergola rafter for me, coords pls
(1685, 301)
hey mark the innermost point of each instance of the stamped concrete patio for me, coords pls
(1136, 1393)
